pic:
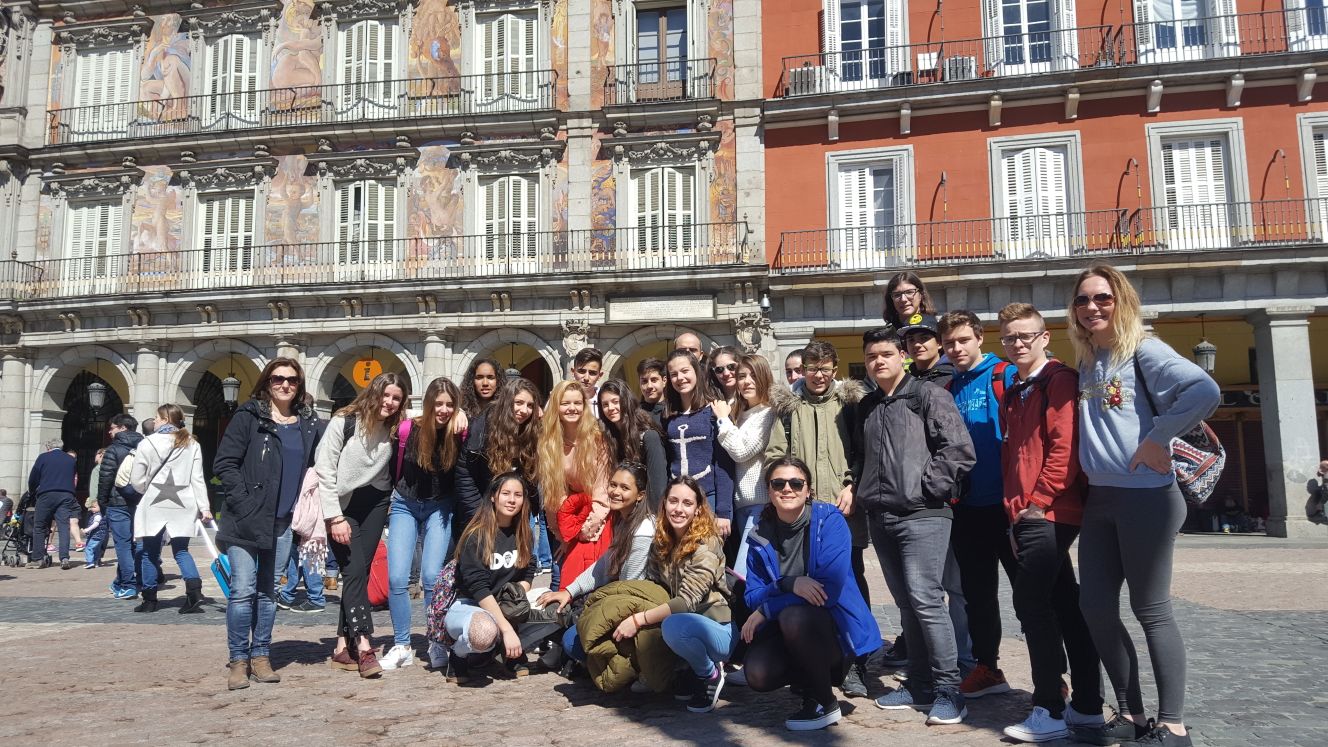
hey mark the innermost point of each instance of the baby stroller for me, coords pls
(16, 529)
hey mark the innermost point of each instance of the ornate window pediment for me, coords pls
(343, 10)
(120, 32)
(225, 174)
(507, 157)
(242, 18)
(91, 184)
(388, 163)
(668, 148)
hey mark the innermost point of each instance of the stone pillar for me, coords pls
(580, 75)
(146, 396)
(436, 354)
(790, 338)
(580, 173)
(290, 346)
(1290, 433)
(13, 399)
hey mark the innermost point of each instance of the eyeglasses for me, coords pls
(901, 295)
(822, 370)
(780, 483)
(275, 380)
(1100, 299)
(1025, 337)
(730, 367)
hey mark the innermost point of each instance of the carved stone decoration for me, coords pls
(751, 329)
(497, 6)
(207, 313)
(330, 10)
(224, 174)
(72, 321)
(667, 149)
(11, 324)
(352, 306)
(101, 183)
(139, 316)
(279, 309)
(240, 18)
(364, 164)
(576, 335)
(120, 32)
(427, 303)
(506, 157)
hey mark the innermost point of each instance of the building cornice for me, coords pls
(506, 157)
(663, 148)
(224, 174)
(328, 10)
(99, 183)
(388, 163)
(246, 17)
(116, 32)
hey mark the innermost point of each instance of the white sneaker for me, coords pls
(437, 655)
(1075, 718)
(1038, 727)
(397, 657)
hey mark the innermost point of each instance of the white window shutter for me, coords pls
(1320, 147)
(1295, 24)
(895, 23)
(992, 43)
(1144, 34)
(830, 31)
(347, 233)
(1223, 27)
(1065, 35)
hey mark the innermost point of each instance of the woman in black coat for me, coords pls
(261, 462)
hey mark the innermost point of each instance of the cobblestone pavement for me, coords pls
(83, 668)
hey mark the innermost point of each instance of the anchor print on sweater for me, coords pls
(682, 440)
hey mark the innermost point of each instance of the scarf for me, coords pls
(308, 522)
(168, 428)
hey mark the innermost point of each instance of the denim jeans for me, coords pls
(287, 561)
(57, 507)
(252, 607)
(572, 645)
(121, 519)
(539, 533)
(913, 554)
(96, 542)
(700, 641)
(406, 520)
(745, 520)
(457, 623)
(149, 562)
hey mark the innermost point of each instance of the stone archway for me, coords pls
(53, 386)
(629, 343)
(491, 342)
(323, 368)
(187, 369)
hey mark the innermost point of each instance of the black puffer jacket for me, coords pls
(124, 444)
(248, 464)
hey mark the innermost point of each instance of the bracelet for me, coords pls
(336, 520)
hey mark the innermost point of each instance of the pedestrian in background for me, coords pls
(51, 483)
(97, 529)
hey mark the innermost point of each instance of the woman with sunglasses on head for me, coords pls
(906, 297)
(355, 466)
(809, 621)
(723, 371)
(744, 432)
(480, 386)
(574, 479)
(261, 460)
(1136, 394)
(424, 500)
(633, 436)
(692, 436)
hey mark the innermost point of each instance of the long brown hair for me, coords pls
(509, 445)
(762, 376)
(261, 390)
(426, 431)
(702, 395)
(624, 527)
(589, 455)
(1127, 324)
(173, 415)
(624, 437)
(483, 527)
(925, 304)
(710, 362)
(667, 551)
(369, 401)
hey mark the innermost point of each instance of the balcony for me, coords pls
(620, 250)
(1101, 233)
(347, 103)
(649, 82)
(1041, 53)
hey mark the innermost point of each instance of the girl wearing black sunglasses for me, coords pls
(809, 620)
(723, 369)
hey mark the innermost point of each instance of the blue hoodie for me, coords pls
(981, 412)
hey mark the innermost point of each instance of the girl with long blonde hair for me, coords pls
(574, 480)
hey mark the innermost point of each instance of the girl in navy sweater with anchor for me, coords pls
(692, 436)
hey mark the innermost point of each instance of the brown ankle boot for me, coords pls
(239, 677)
(261, 667)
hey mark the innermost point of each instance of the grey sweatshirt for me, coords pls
(344, 466)
(1115, 417)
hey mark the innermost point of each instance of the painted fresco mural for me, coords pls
(292, 204)
(601, 48)
(435, 41)
(603, 198)
(558, 52)
(436, 202)
(163, 81)
(724, 179)
(720, 29)
(560, 191)
(156, 224)
(297, 56)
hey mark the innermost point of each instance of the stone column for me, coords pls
(13, 399)
(436, 354)
(290, 346)
(790, 338)
(146, 396)
(1290, 433)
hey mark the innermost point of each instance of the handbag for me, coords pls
(1197, 457)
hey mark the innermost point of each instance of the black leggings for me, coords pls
(800, 647)
(366, 513)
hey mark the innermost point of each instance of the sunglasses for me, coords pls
(1100, 299)
(279, 380)
(780, 483)
(730, 367)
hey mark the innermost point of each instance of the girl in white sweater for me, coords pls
(744, 430)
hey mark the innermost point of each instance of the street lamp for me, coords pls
(1205, 353)
(230, 386)
(765, 302)
(512, 371)
(96, 395)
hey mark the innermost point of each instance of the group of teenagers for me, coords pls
(712, 530)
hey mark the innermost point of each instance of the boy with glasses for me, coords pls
(1043, 499)
(814, 425)
(910, 452)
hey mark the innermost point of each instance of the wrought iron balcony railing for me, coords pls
(1123, 231)
(670, 80)
(1240, 35)
(385, 260)
(417, 98)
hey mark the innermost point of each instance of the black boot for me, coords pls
(149, 603)
(193, 596)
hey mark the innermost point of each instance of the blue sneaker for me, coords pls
(901, 699)
(129, 593)
(948, 708)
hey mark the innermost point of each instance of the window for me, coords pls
(664, 207)
(1033, 203)
(92, 238)
(661, 53)
(511, 222)
(366, 222)
(1199, 182)
(1314, 154)
(366, 76)
(510, 61)
(1307, 24)
(870, 207)
(1173, 30)
(864, 41)
(1030, 36)
(231, 75)
(103, 79)
(226, 232)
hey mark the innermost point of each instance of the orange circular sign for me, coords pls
(365, 371)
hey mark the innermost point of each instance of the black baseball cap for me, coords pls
(919, 323)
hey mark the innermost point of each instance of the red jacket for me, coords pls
(579, 554)
(1040, 458)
